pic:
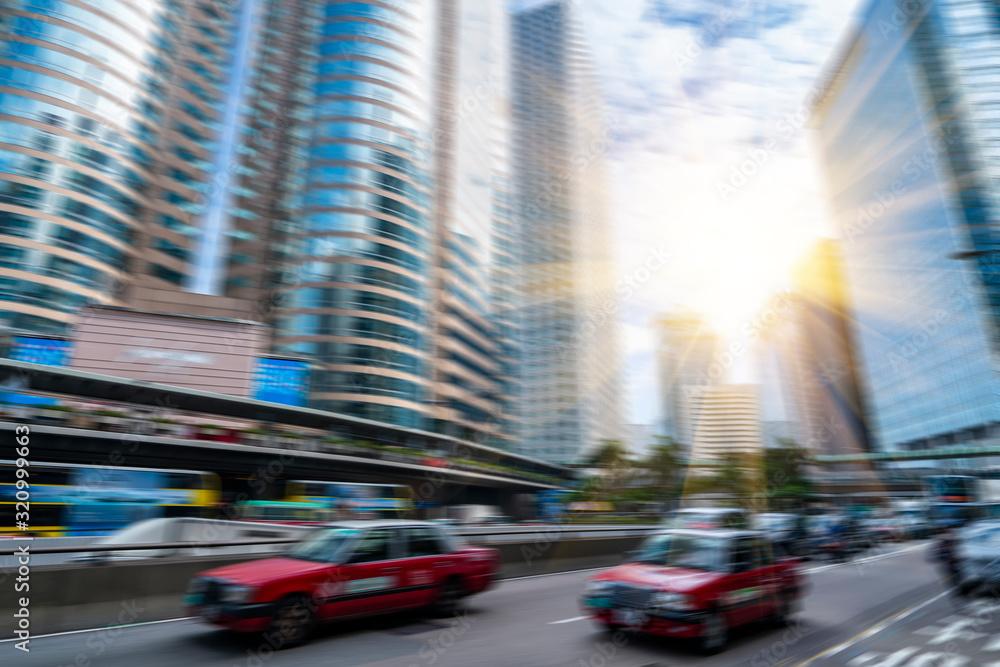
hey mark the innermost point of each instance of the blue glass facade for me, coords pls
(359, 299)
(71, 170)
(908, 186)
(108, 113)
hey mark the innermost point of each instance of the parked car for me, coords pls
(885, 529)
(838, 537)
(345, 570)
(696, 584)
(786, 531)
(916, 529)
(447, 522)
(200, 533)
(979, 557)
(496, 519)
(708, 518)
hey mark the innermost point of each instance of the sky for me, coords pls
(695, 89)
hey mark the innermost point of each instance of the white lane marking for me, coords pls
(188, 618)
(957, 629)
(878, 628)
(124, 625)
(568, 620)
(529, 576)
(552, 574)
(869, 559)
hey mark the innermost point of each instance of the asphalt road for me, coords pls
(858, 614)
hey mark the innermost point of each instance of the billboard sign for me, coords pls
(281, 381)
(45, 351)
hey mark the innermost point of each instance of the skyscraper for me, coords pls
(686, 349)
(349, 172)
(807, 361)
(470, 389)
(728, 422)
(131, 173)
(907, 136)
(359, 299)
(569, 375)
(392, 290)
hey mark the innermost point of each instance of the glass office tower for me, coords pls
(908, 129)
(359, 301)
(686, 350)
(569, 370)
(86, 105)
(141, 139)
(392, 284)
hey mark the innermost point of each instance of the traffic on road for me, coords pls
(858, 613)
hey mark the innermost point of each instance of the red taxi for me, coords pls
(696, 584)
(343, 570)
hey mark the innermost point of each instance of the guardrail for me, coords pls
(156, 546)
(478, 535)
(72, 596)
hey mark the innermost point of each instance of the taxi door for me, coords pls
(426, 566)
(770, 577)
(370, 579)
(743, 585)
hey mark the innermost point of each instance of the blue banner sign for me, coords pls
(281, 381)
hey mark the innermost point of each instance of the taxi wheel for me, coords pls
(292, 622)
(714, 633)
(787, 607)
(607, 627)
(448, 599)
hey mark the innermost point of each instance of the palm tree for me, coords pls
(611, 454)
(664, 469)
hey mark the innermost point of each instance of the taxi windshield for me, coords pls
(685, 551)
(324, 546)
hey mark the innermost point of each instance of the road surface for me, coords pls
(885, 610)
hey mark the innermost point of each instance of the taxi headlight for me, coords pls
(237, 594)
(597, 589)
(667, 600)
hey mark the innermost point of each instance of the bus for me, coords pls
(67, 500)
(952, 499)
(275, 511)
(351, 501)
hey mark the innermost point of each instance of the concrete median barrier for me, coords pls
(73, 596)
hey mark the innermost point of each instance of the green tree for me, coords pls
(664, 470)
(785, 479)
(613, 458)
(611, 454)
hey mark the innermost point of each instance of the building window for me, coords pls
(163, 273)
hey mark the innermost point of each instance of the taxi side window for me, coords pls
(761, 552)
(374, 546)
(423, 542)
(743, 556)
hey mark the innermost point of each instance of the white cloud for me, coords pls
(689, 123)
